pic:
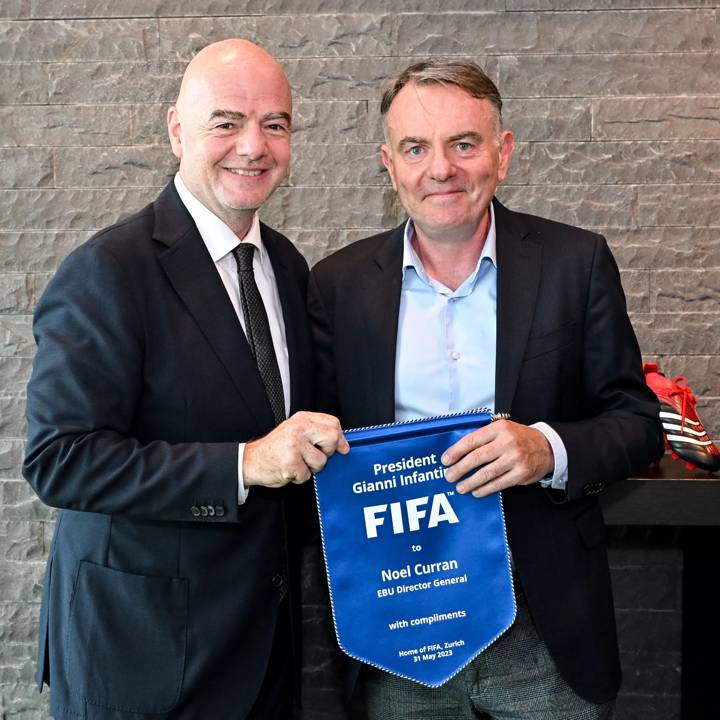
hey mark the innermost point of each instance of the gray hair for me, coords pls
(467, 76)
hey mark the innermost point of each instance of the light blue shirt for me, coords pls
(445, 359)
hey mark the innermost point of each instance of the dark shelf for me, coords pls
(669, 494)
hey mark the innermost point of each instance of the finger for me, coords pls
(297, 474)
(484, 475)
(467, 444)
(474, 460)
(323, 431)
(497, 485)
(343, 446)
(313, 458)
(327, 435)
(480, 477)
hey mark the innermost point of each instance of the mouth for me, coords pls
(245, 173)
(441, 194)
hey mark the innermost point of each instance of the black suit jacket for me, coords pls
(567, 355)
(161, 593)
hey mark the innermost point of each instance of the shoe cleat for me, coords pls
(685, 434)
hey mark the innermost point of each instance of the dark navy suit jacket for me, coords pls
(567, 355)
(161, 593)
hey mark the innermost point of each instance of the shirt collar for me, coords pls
(217, 236)
(411, 259)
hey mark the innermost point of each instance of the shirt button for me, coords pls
(455, 355)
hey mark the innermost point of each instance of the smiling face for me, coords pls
(231, 130)
(445, 154)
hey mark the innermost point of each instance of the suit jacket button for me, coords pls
(203, 510)
(277, 581)
(219, 510)
(195, 510)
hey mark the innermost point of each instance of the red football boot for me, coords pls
(685, 435)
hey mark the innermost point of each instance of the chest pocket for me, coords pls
(539, 345)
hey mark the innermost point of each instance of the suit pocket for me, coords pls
(126, 639)
(548, 342)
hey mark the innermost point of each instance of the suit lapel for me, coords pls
(519, 266)
(192, 273)
(378, 307)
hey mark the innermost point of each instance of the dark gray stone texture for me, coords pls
(19, 502)
(670, 205)
(285, 36)
(36, 250)
(676, 118)
(78, 40)
(15, 9)
(623, 163)
(51, 126)
(114, 82)
(11, 452)
(615, 108)
(606, 4)
(612, 74)
(679, 333)
(213, 8)
(16, 336)
(117, 167)
(664, 247)
(74, 209)
(584, 205)
(23, 83)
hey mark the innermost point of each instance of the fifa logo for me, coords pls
(406, 516)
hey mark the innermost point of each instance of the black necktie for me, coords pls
(257, 330)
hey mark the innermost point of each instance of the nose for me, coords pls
(250, 142)
(441, 167)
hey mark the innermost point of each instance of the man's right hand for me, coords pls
(293, 451)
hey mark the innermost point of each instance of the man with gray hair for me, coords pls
(468, 305)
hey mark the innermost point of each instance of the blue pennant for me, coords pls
(419, 575)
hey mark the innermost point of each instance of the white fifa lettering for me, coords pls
(414, 511)
(372, 521)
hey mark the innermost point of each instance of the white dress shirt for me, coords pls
(220, 241)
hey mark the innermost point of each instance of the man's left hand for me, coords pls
(502, 454)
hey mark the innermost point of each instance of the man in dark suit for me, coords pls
(469, 305)
(171, 348)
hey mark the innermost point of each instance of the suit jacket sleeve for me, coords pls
(87, 401)
(618, 432)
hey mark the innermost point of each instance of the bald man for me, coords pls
(171, 348)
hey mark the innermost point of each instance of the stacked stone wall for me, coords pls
(615, 105)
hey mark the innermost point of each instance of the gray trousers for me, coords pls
(514, 679)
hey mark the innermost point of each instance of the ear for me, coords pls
(387, 161)
(507, 146)
(174, 131)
